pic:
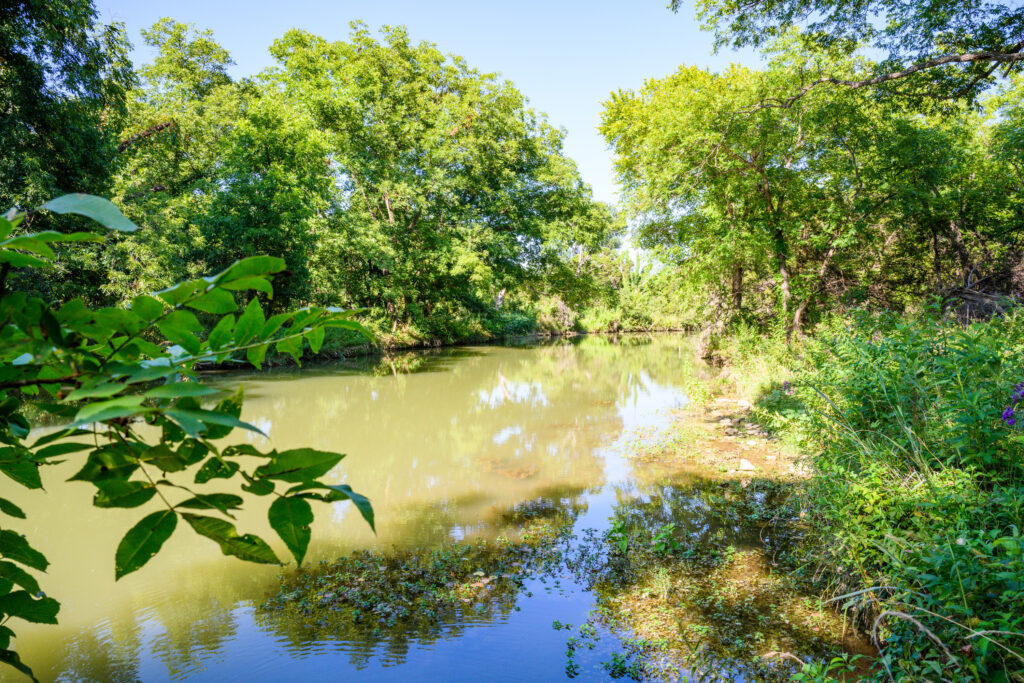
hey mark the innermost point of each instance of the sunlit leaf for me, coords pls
(90, 206)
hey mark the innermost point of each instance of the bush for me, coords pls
(916, 494)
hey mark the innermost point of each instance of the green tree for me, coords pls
(938, 48)
(63, 82)
(221, 170)
(448, 184)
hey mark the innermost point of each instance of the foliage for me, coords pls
(909, 33)
(122, 384)
(436, 226)
(64, 81)
(917, 486)
(838, 200)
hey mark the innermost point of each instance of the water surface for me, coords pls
(444, 443)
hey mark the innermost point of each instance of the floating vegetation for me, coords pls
(370, 595)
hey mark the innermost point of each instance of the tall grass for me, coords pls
(916, 499)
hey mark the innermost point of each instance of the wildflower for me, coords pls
(960, 541)
(787, 388)
(1018, 393)
(876, 337)
(1008, 416)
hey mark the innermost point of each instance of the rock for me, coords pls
(751, 442)
(730, 431)
(725, 421)
(769, 457)
(747, 466)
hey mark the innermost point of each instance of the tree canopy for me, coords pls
(930, 48)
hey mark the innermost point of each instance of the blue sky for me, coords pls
(565, 56)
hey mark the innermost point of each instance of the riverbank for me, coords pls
(914, 497)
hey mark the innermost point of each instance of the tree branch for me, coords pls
(1014, 55)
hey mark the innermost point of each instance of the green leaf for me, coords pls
(256, 354)
(29, 243)
(10, 509)
(11, 658)
(15, 574)
(290, 518)
(249, 323)
(101, 390)
(182, 291)
(108, 410)
(274, 323)
(211, 417)
(299, 465)
(362, 503)
(248, 267)
(143, 541)
(213, 501)
(192, 426)
(59, 449)
(96, 208)
(147, 308)
(259, 487)
(217, 301)
(220, 335)
(118, 493)
(20, 261)
(22, 605)
(17, 465)
(13, 546)
(53, 237)
(216, 468)
(113, 461)
(179, 389)
(254, 282)
(292, 346)
(181, 327)
(315, 337)
(248, 547)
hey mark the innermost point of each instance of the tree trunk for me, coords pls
(784, 281)
(796, 326)
(956, 236)
(737, 287)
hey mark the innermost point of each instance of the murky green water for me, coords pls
(444, 444)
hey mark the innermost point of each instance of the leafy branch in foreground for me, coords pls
(113, 376)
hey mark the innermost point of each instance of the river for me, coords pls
(444, 443)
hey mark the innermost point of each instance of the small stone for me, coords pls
(770, 457)
(725, 421)
(751, 442)
(747, 466)
(730, 431)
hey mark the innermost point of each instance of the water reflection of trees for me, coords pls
(445, 443)
(301, 629)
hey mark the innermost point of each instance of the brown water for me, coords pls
(443, 443)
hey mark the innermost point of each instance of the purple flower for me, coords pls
(1008, 416)
(787, 388)
(1018, 393)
